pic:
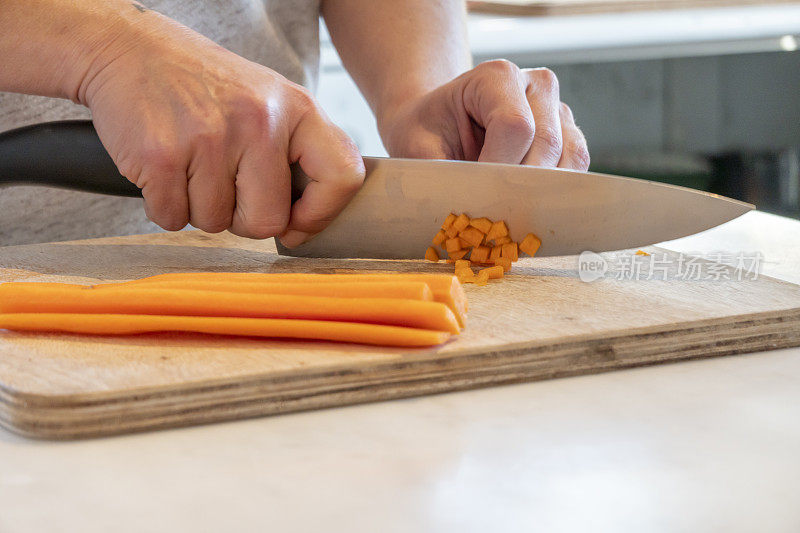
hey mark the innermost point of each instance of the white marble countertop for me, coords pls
(711, 445)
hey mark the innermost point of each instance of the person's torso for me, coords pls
(280, 34)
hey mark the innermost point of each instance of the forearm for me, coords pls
(52, 47)
(396, 50)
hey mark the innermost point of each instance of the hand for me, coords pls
(494, 113)
(209, 136)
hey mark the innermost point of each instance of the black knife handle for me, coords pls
(65, 154)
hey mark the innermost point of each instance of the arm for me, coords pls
(207, 135)
(411, 61)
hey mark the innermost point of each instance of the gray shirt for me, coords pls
(280, 34)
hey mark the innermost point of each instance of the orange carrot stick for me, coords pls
(142, 300)
(254, 327)
(409, 290)
(445, 287)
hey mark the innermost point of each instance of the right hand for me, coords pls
(209, 136)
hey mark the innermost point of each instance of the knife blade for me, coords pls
(403, 202)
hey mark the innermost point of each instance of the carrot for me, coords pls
(439, 238)
(498, 229)
(376, 334)
(451, 232)
(502, 240)
(472, 236)
(483, 224)
(530, 244)
(504, 262)
(458, 254)
(142, 300)
(431, 254)
(453, 245)
(510, 251)
(445, 287)
(480, 254)
(461, 222)
(448, 221)
(494, 272)
(409, 290)
(495, 253)
(463, 263)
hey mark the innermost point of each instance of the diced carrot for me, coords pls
(445, 287)
(458, 254)
(451, 232)
(431, 254)
(472, 236)
(461, 222)
(452, 245)
(439, 238)
(482, 278)
(483, 224)
(510, 251)
(530, 244)
(480, 254)
(495, 253)
(638, 252)
(502, 240)
(448, 221)
(142, 300)
(504, 262)
(103, 324)
(498, 229)
(464, 244)
(495, 272)
(462, 263)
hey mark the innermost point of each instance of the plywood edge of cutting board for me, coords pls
(271, 394)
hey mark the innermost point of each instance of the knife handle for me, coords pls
(66, 154)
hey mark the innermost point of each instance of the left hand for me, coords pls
(495, 112)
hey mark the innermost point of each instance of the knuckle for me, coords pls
(566, 110)
(580, 155)
(161, 156)
(302, 98)
(549, 138)
(503, 67)
(546, 79)
(350, 175)
(517, 125)
(265, 226)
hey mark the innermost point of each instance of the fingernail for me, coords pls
(293, 237)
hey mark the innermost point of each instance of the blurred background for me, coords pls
(702, 93)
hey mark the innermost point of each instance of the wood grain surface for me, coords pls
(579, 7)
(540, 322)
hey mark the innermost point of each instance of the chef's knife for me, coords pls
(404, 201)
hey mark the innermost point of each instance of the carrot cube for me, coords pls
(461, 222)
(448, 221)
(498, 229)
(463, 263)
(452, 245)
(458, 254)
(480, 254)
(495, 253)
(472, 236)
(504, 262)
(530, 244)
(431, 255)
(439, 238)
(483, 224)
(502, 240)
(510, 251)
(495, 272)
(482, 278)
(451, 232)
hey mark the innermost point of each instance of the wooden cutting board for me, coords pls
(540, 8)
(541, 322)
